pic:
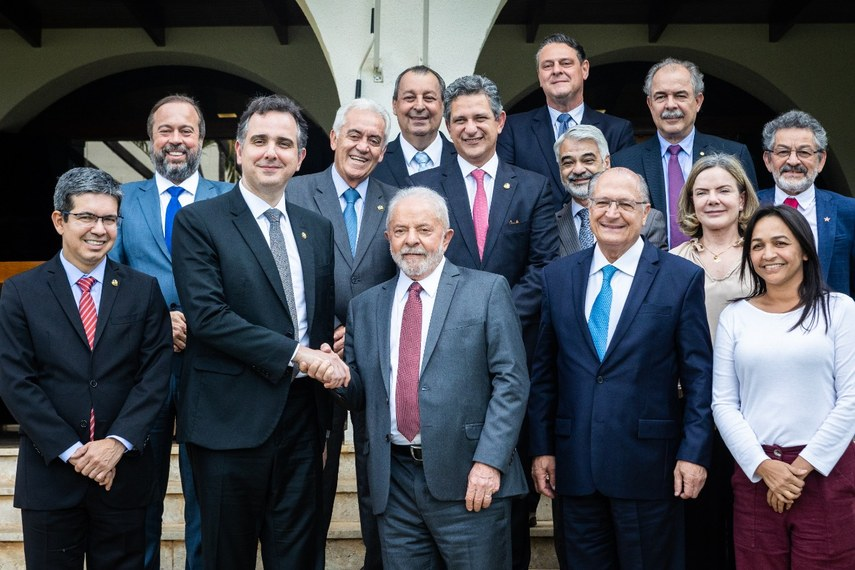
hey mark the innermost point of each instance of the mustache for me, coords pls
(575, 179)
(794, 168)
(675, 114)
(413, 250)
(173, 148)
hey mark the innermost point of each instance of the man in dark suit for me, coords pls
(255, 278)
(84, 367)
(795, 146)
(439, 367)
(503, 217)
(355, 202)
(417, 104)
(582, 152)
(675, 93)
(527, 139)
(622, 324)
(176, 131)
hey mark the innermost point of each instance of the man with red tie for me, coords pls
(85, 346)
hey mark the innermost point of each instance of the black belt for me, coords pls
(414, 452)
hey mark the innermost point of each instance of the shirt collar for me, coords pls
(576, 113)
(805, 198)
(341, 186)
(433, 150)
(626, 263)
(490, 167)
(188, 185)
(430, 283)
(687, 144)
(74, 274)
(258, 206)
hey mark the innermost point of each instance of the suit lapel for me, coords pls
(149, 203)
(395, 157)
(304, 236)
(384, 324)
(58, 283)
(825, 210)
(326, 199)
(579, 282)
(444, 294)
(504, 187)
(648, 267)
(109, 290)
(653, 174)
(373, 212)
(454, 188)
(204, 190)
(541, 126)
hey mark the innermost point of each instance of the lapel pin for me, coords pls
(380, 208)
(303, 235)
(506, 185)
(701, 153)
(826, 219)
(114, 282)
(513, 222)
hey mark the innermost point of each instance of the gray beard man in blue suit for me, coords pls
(437, 362)
(794, 152)
(176, 130)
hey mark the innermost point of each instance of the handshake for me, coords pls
(323, 365)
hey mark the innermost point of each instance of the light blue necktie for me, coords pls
(423, 161)
(598, 322)
(171, 209)
(563, 123)
(350, 197)
(586, 236)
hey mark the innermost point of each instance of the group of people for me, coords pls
(498, 312)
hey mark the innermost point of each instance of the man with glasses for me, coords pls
(795, 146)
(85, 350)
(622, 322)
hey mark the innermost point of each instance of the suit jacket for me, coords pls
(139, 240)
(646, 160)
(522, 236)
(49, 379)
(528, 138)
(835, 228)
(236, 375)
(617, 426)
(392, 169)
(473, 383)
(372, 264)
(654, 230)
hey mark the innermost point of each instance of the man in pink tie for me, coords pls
(85, 347)
(438, 365)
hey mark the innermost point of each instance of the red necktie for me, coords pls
(791, 202)
(480, 213)
(409, 354)
(90, 321)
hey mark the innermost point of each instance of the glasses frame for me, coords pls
(107, 220)
(627, 206)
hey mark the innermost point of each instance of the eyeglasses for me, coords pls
(784, 153)
(627, 206)
(90, 219)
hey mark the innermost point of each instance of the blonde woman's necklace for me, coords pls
(716, 257)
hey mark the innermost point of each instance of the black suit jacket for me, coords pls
(49, 379)
(393, 170)
(236, 374)
(528, 138)
(646, 160)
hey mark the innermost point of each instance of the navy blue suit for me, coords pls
(528, 138)
(835, 228)
(617, 427)
(393, 170)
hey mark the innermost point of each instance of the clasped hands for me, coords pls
(323, 365)
(97, 460)
(785, 481)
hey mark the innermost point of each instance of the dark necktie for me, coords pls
(169, 218)
(675, 186)
(409, 354)
(280, 256)
(598, 321)
(89, 317)
(351, 195)
(586, 236)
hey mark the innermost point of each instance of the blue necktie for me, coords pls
(350, 197)
(598, 322)
(586, 236)
(563, 123)
(423, 161)
(171, 209)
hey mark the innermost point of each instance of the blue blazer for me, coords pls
(835, 228)
(528, 138)
(392, 170)
(139, 240)
(646, 160)
(617, 426)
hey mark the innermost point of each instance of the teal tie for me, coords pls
(350, 197)
(598, 322)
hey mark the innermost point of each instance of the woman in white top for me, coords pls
(784, 402)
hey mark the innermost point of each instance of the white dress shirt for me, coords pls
(429, 284)
(807, 207)
(490, 167)
(626, 265)
(185, 198)
(433, 150)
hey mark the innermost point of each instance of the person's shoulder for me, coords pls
(839, 199)
(531, 177)
(631, 153)
(131, 188)
(219, 186)
(525, 117)
(674, 262)
(719, 143)
(126, 275)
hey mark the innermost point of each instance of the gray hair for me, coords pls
(362, 104)
(430, 197)
(84, 180)
(176, 98)
(794, 119)
(472, 85)
(418, 70)
(642, 185)
(264, 104)
(559, 38)
(583, 133)
(694, 72)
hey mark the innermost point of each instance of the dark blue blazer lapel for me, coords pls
(541, 126)
(58, 283)
(454, 188)
(113, 278)
(579, 281)
(394, 157)
(825, 209)
(504, 189)
(648, 267)
(653, 174)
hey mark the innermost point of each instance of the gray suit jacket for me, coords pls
(473, 383)
(654, 230)
(372, 264)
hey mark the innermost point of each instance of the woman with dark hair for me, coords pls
(784, 402)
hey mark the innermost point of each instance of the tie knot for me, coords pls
(674, 149)
(583, 213)
(415, 289)
(478, 175)
(564, 119)
(791, 202)
(608, 273)
(351, 195)
(175, 191)
(273, 215)
(86, 283)
(421, 158)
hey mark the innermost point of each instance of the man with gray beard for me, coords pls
(582, 151)
(176, 131)
(794, 151)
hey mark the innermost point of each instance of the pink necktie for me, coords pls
(791, 202)
(409, 354)
(90, 322)
(675, 186)
(480, 213)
